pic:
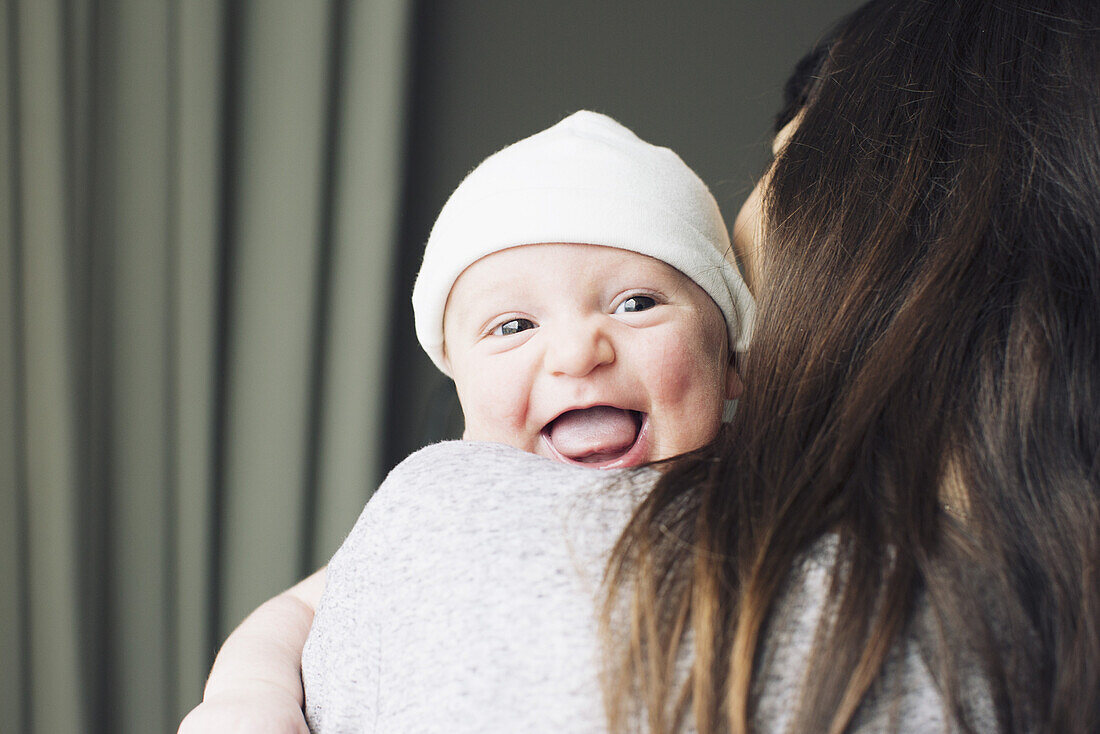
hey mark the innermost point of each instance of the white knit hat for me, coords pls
(586, 180)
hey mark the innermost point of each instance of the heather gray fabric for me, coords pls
(464, 601)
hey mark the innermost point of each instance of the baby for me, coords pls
(612, 355)
(576, 288)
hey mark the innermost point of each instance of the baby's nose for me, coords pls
(577, 349)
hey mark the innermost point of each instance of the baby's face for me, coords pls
(585, 354)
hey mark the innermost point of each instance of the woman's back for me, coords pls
(464, 601)
(923, 383)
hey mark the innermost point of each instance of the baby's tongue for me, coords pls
(593, 432)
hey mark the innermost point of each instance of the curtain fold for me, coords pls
(46, 397)
(274, 223)
(198, 218)
(197, 131)
(12, 551)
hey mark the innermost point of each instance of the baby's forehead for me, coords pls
(524, 258)
(549, 266)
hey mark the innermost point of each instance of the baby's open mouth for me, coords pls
(602, 436)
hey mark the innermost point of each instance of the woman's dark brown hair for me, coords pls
(928, 334)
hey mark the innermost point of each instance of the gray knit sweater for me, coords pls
(464, 601)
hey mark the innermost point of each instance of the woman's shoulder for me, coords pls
(485, 494)
(469, 584)
(477, 463)
(473, 476)
(484, 463)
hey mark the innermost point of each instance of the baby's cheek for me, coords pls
(689, 369)
(495, 406)
(676, 376)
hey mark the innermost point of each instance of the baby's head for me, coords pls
(577, 289)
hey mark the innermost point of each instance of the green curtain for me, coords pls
(198, 217)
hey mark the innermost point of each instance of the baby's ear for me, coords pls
(734, 386)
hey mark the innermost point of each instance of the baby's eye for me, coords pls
(514, 326)
(636, 303)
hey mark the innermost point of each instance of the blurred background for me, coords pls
(211, 214)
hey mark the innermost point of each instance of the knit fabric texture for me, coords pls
(465, 600)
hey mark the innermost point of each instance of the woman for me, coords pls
(910, 489)
(921, 390)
